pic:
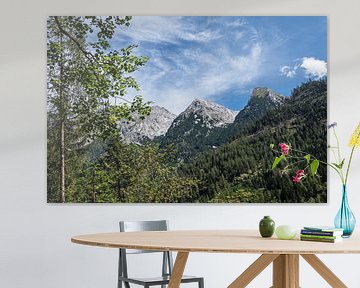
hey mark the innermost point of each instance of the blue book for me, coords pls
(322, 231)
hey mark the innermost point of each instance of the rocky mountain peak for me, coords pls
(198, 101)
(261, 101)
(191, 129)
(154, 125)
(264, 92)
(209, 113)
(201, 104)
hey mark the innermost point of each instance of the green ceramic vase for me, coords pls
(266, 227)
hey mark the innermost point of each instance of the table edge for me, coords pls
(205, 250)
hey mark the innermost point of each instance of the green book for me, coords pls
(325, 240)
(319, 236)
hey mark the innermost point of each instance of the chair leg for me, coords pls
(201, 283)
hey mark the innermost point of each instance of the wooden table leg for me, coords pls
(286, 271)
(279, 269)
(178, 270)
(293, 261)
(324, 271)
(253, 270)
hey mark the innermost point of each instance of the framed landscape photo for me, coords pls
(170, 109)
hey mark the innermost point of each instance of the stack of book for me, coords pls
(321, 234)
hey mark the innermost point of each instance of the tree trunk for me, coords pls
(62, 164)
(62, 132)
(93, 186)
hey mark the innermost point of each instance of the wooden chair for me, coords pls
(167, 263)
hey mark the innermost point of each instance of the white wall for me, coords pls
(35, 248)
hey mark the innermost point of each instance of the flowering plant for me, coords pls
(311, 164)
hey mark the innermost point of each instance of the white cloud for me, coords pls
(185, 63)
(314, 67)
(204, 76)
(278, 37)
(237, 23)
(203, 36)
(166, 29)
(152, 29)
(288, 71)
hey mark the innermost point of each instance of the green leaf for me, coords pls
(276, 162)
(336, 165)
(342, 163)
(272, 146)
(314, 166)
(307, 157)
(339, 166)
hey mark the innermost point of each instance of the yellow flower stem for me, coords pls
(348, 167)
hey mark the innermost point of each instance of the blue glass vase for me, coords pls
(345, 219)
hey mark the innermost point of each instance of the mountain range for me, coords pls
(201, 126)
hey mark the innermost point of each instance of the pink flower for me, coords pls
(300, 174)
(284, 148)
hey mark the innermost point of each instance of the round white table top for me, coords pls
(220, 241)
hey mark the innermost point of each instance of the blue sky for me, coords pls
(223, 58)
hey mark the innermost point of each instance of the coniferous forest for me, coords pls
(89, 160)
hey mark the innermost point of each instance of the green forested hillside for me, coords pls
(131, 174)
(240, 171)
(190, 138)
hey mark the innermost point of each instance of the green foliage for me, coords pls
(87, 82)
(314, 167)
(339, 166)
(102, 75)
(131, 173)
(277, 161)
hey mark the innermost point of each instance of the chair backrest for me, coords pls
(134, 226)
